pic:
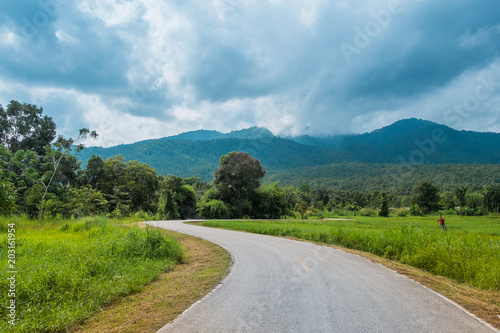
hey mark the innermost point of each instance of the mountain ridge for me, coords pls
(412, 140)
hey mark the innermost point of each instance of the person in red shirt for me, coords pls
(441, 221)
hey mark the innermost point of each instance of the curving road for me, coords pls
(281, 285)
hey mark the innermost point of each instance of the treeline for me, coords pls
(397, 179)
(41, 176)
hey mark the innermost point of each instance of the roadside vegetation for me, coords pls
(68, 270)
(204, 266)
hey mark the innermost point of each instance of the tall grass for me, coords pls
(68, 271)
(468, 258)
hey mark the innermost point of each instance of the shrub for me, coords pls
(368, 212)
(403, 213)
(213, 209)
(415, 210)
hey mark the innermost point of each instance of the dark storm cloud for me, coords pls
(320, 67)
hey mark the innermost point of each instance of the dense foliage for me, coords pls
(393, 178)
(40, 174)
(237, 192)
(406, 145)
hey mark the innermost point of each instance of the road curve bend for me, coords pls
(281, 285)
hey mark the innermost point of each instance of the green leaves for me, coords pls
(236, 179)
(426, 196)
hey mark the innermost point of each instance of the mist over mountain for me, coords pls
(411, 141)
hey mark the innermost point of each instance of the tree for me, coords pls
(180, 198)
(301, 208)
(270, 203)
(42, 169)
(426, 196)
(213, 209)
(7, 197)
(7, 190)
(448, 200)
(384, 208)
(236, 179)
(475, 200)
(131, 186)
(492, 198)
(22, 127)
(85, 201)
(93, 173)
(142, 183)
(460, 194)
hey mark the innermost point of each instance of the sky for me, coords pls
(140, 69)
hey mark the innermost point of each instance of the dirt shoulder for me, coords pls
(205, 265)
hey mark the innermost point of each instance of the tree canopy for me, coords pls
(23, 127)
(426, 196)
(236, 180)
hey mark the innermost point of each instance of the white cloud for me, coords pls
(481, 36)
(112, 12)
(8, 37)
(309, 17)
(65, 37)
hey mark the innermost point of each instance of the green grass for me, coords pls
(469, 252)
(68, 270)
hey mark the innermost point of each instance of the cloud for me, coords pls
(482, 36)
(135, 69)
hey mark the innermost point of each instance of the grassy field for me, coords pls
(469, 252)
(203, 267)
(68, 270)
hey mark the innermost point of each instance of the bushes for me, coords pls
(213, 209)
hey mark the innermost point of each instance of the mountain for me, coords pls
(200, 158)
(415, 141)
(203, 135)
(406, 142)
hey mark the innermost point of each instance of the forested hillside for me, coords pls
(200, 158)
(415, 140)
(393, 178)
(410, 141)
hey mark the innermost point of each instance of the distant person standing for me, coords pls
(441, 221)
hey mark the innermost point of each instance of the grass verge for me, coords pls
(204, 266)
(66, 272)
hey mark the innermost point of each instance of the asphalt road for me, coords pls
(281, 285)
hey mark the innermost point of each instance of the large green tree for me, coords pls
(23, 127)
(127, 186)
(236, 179)
(179, 197)
(426, 196)
(270, 203)
(42, 170)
